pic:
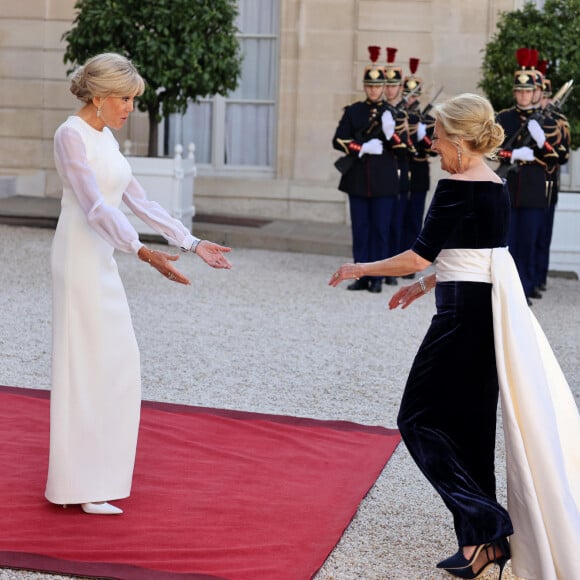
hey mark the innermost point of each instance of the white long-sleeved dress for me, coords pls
(96, 382)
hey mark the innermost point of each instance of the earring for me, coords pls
(459, 161)
(99, 111)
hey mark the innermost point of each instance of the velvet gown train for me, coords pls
(484, 338)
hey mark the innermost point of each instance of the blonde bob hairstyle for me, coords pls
(105, 75)
(470, 118)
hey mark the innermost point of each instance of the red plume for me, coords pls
(413, 65)
(374, 52)
(534, 55)
(391, 53)
(523, 57)
(542, 66)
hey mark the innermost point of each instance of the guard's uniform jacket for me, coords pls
(419, 180)
(405, 150)
(370, 175)
(527, 179)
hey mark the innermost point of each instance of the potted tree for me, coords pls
(184, 49)
(554, 32)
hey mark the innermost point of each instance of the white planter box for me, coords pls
(169, 182)
(565, 248)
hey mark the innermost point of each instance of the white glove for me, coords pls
(421, 131)
(372, 147)
(536, 132)
(522, 154)
(388, 124)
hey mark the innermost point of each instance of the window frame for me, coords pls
(217, 165)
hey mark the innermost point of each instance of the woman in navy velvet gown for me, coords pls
(448, 412)
(450, 430)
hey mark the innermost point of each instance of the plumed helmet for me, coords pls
(524, 77)
(412, 83)
(393, 74)
(374, 74)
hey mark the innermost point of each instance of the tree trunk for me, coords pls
(153, 132)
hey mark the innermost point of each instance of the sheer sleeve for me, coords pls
(156, 216)
(446, 210)
(108, 221)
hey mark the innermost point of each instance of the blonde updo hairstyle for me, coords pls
(105, 75)
(470, 118)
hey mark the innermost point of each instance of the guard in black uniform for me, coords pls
(394, 97)
(421, 126)
(527, 153)
(366, 136)
(553, 180)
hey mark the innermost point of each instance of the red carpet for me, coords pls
(216, 494)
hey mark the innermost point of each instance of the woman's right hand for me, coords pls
(346, 272)
(162, 262)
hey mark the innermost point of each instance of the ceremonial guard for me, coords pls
(394, 97)
(366, 136)
(553, 176)
(420, 126)
(527, 153)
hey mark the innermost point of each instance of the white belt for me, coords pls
(466, 264)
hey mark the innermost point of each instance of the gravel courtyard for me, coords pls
(270, 336)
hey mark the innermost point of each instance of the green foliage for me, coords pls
(554, 32)
(184, 49)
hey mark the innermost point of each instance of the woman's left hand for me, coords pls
(406, 295)
(213, 254)
(346, 272)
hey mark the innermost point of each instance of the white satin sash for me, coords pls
(540, 420)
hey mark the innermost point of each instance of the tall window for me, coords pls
(238, 132)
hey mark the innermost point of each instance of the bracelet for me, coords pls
(191, 248)
(423, 285)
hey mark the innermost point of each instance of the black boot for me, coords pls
(391, 281)
(362, 284)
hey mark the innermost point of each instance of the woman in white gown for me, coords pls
(96, 384)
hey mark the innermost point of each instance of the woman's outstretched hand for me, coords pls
(162, 262)
(346, 272)
(213, 254)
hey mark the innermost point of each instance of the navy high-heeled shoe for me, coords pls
(459, 561)
(496, 553)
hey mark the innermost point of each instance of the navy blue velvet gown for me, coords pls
(448, 412)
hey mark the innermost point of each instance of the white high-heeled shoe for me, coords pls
(102, 509)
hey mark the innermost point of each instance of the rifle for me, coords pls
(560, 98)
(555, 104)
(429, 106)
(402, 104)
